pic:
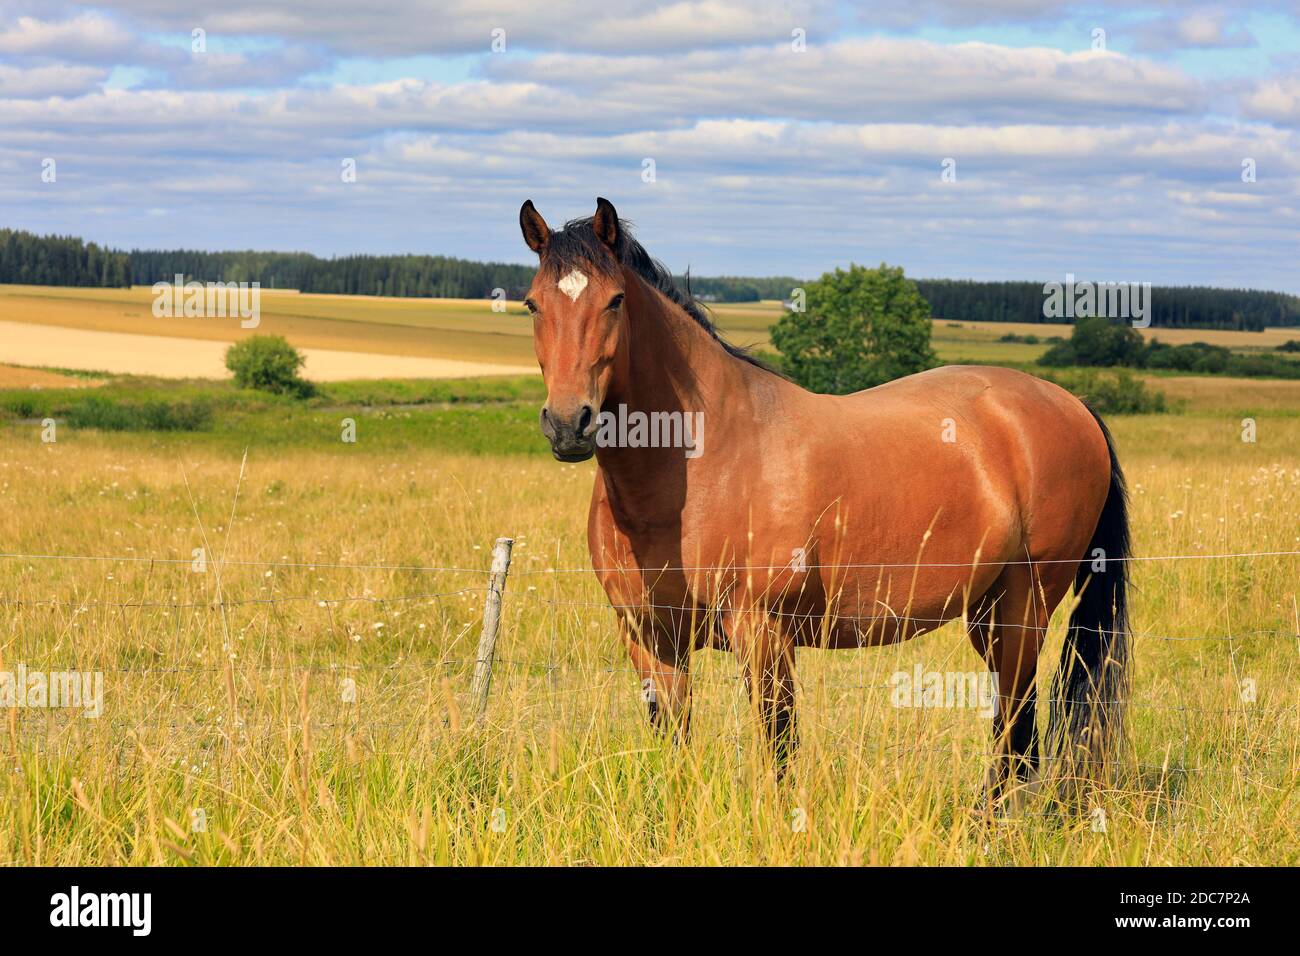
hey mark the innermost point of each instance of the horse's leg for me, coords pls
(1009, 644)
(663, 664)
(766, 655)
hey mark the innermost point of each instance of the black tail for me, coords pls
(1087, 712)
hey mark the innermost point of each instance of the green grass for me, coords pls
(475, 416)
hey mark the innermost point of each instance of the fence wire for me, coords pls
(552, 672)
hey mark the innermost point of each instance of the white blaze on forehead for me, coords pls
(573, 284)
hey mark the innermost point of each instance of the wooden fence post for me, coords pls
(487, 641)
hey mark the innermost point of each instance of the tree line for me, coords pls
(440, 277)
(28, 259)
(1177, 307)
(63, 260)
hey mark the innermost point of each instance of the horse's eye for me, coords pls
(531, 306)
(614, 303)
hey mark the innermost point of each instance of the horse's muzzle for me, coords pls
(573, 436)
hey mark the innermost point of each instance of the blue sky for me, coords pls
(1118, 161)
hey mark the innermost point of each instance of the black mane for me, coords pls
(577, 245)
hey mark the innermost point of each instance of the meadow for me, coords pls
(303, 697)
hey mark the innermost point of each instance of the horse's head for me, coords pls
(579, 325)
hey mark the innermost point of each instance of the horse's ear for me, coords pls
(605, 223)
(536, 232)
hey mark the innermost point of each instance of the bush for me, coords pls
(1059, 355)
(1264, 365)
(1120, 394)
(21, 405)
(1098, 343)
(96, 411)
(268, 363)
(861, 327)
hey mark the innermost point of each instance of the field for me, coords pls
(303, 697)
(304, 700)
(375, 334)
(445, 329)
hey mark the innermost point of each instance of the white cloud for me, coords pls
(45, 81)
(1276, 99)
(87, 37)
(1197, 29)
(413, 27)
(872, 79)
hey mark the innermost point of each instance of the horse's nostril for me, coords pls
(584, 420)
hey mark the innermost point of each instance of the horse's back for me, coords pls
(966, 386)
(1000, 417)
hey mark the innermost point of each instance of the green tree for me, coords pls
(860, 328)
(268, 363)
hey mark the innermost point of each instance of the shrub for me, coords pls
(1118, 394)
(268, 363)
(1059, 355)
(20, 405)
(96, 411)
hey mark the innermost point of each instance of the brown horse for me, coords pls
(796, 519)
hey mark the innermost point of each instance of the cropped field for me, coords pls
(457, 329)
(453, 330)
(26, 344)
(295, 703)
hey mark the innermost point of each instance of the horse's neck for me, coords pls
(671, 364)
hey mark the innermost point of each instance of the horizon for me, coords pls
(676, 275)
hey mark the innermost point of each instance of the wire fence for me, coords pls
(561, 677)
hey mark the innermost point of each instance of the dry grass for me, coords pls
(14, 376)
(1244, 396)
(242, 713)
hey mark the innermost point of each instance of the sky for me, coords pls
(1138, 141)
